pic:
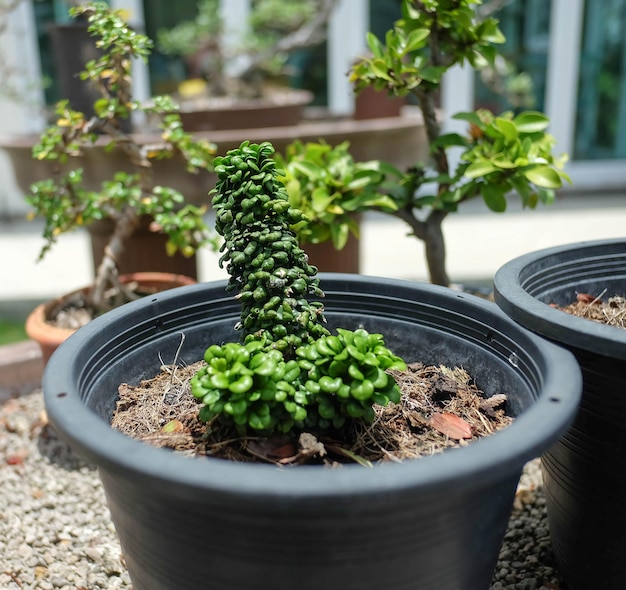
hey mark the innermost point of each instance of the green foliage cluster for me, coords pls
(63, 201)
(405, 60)
(190, 36)
(269, 22)
(331, 189)
(503, 154)
(500, 153)
(289, 372)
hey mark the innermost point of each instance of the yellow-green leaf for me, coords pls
(507, 128)
(543, 176)
(480, 168)
(531, 122)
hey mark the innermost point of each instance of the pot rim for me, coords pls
(488, 458)
(515, 293)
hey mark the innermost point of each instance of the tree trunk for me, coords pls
(106, 274)
(430, 231)
(435, 245)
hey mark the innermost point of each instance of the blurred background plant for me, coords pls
(11, 85)
(275, 30)
(331, 189)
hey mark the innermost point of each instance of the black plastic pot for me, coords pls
(435, 523)
(584, 473)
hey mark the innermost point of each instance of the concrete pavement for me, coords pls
(478, 243)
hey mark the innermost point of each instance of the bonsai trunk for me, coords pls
(106, 274)
(430, 231)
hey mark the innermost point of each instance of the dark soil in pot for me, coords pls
(610, 311)
(440, 408)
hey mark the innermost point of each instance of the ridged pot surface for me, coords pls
(584, 478)
(435, 523)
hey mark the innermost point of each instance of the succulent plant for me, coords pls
(289, 372)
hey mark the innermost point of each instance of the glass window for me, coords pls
(518, 82)
(601, 109)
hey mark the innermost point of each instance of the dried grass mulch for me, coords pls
(440, 408)
(611, 311)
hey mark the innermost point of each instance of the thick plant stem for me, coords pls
(436, 248)
(430, 231)
(106, 274)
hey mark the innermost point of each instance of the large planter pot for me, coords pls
(434, 524)
(584, 474)
(281, 109)
(400, 141)
(50, 337)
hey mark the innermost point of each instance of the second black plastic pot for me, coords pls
(196, 523)
(584, 475)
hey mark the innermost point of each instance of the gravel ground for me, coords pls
(56, 533)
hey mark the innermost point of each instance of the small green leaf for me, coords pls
(543, 176)
(321, 199)
(507, 128)
(449, 140)
(490, 32)
(376, 47)
(494, 197)
(531, 122)
(415, 39)
(379, 68)
(470, 117)
(480, 168)
(502, 161)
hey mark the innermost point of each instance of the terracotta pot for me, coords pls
(144, 250)
(50, 337)
(373, 104)
(401, 141)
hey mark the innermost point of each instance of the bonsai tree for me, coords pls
(65, 203)
(276, 30)
(500, 154)
(288, 372)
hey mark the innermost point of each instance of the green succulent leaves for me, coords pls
(264, 260)
(289, 372)
(330, 380)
